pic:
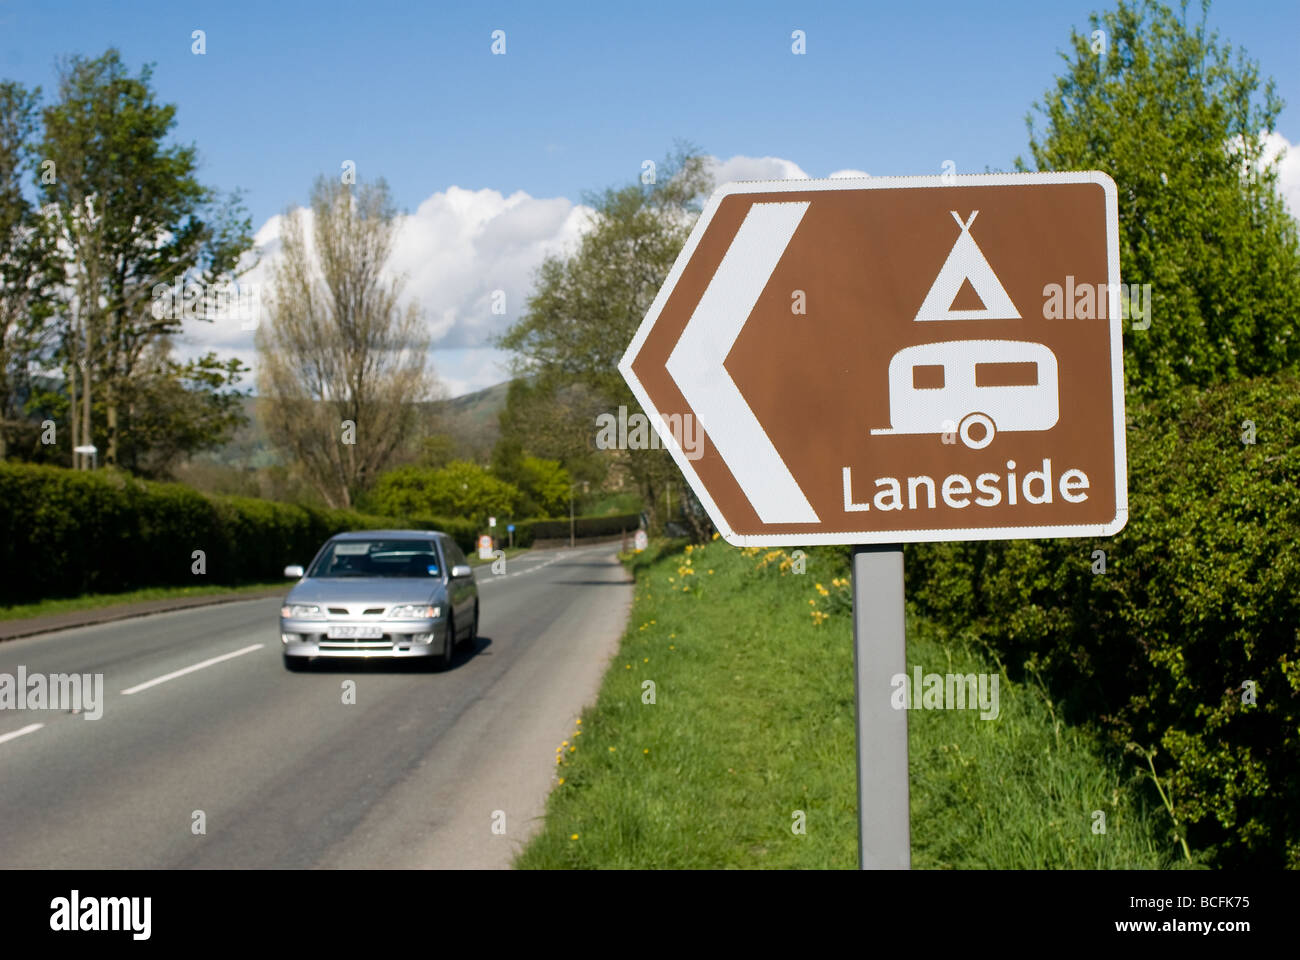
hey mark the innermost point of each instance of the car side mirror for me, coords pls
(461, 570)
(293, 571)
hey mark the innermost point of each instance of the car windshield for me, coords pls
(377, 558)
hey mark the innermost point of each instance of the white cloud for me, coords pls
(466, 369)
(843, 174)
(754, 168)
(456, 249)
(1288, 170)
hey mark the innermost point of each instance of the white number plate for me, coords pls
(355, 633)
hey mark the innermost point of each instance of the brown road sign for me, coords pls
(884, 360)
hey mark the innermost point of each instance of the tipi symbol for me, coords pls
(966, 275)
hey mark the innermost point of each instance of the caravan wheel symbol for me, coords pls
(986, 386)
(981, 420)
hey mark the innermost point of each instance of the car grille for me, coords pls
(383, 643)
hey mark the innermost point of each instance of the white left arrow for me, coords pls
(696, 363)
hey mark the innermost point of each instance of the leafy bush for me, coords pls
(1200, 599)
(461, 489)
(65, 532)
(1179, 119)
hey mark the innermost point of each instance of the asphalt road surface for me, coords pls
(417, 773)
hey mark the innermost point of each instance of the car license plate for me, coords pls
(355, 633)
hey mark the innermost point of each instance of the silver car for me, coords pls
(381, 593)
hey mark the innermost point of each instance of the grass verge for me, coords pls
(749, 667)
(94, 601)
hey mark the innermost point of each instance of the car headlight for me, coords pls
(414, 611)
(302, 611)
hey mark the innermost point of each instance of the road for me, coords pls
(416, 773)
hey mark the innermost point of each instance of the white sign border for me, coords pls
(898, 536)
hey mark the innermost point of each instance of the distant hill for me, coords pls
(470, 420)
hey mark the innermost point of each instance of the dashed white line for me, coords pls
(30, 728)
(184, 670)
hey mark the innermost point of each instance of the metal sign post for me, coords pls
(879, 654)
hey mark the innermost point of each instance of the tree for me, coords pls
(1180, 125)
(552, 421)
(460, 489)
(131, 216)
(587, 306)
(342, 364)
(544, 485)
(171, 410)
(27, 271)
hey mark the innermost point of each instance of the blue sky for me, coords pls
(584, 94)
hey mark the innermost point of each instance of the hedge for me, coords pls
(1198, 606)
(585, 526)
(65, 532)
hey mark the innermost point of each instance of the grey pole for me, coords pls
(879, 653)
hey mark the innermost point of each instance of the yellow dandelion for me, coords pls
(612, 749)
(574, 837)
(561, 780)
(646, 750)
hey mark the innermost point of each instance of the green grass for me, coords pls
(612, 503)
(93, 601)
(753, 720)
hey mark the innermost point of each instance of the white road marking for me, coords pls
(518, 573)
(30, 728)
(198, 666)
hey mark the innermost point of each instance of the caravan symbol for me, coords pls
(960, 384)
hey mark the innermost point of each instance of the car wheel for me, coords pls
(443, 660)
(471, 638)
(296, 664)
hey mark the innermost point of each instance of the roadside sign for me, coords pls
(510, 528)
(886, 360)
(492, 521)
(485, 547)
(640, 541)
(881, 361)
